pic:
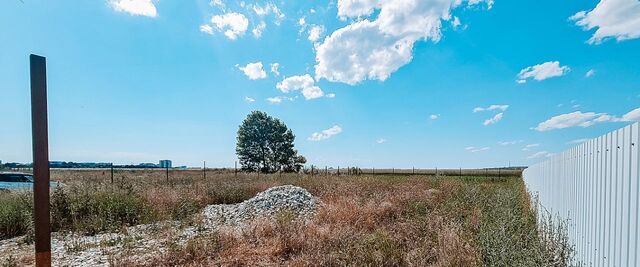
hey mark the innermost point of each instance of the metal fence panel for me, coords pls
(595, 187)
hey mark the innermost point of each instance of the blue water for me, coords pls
(12, 186)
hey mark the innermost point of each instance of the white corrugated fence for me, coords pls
(594, 187)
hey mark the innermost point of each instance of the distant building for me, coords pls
(165, 163)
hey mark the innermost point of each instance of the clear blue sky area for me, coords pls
(444, 83)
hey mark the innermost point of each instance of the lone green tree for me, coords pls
(265, 144)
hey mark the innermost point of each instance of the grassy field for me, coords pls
(367, 220)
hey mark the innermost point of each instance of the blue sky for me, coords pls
(444, 83)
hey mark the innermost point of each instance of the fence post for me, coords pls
(235, 169)
(204, 170)
(40, 136)
(112, 173)
(311, 170)
(373, 170)
(436, 171)
(167, 172)
(460, 171)
(326, 171)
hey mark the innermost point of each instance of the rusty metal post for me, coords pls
(40, 144)
(167, 172)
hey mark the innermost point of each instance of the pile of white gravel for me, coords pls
(146, 241)
(289, 198)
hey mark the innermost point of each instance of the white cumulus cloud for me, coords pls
(590, 73)
(372, 49)
(135, 7)
(633, 115)
(249, 99)
(434, 116)
(619, 19)
(275, 68)
(325, 134)
(492, 107)
(232, 24)
(257, 31)
(585, 119)
(381, 141)
(254, 71)
(206, 28)
(304, 83)
(542, 71)
(495, 119)
(316, 32)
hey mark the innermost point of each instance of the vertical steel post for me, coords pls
(40, 144)
(167, 172)
(204, 170)
(235, 169)
(338, 170)
(111, 173)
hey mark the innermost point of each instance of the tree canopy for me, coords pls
(265, 144)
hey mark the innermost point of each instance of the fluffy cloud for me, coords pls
(492, 107)
(232, 24)
(316, 32)
(356, 8)
(542, 71)
(304, 83)
(590, 73)
(325, 134)
(619, 19)
(573, 119)
(529, 147)
(633, 115)
(541, 154)
(257, 31)
(135, 7)
(254, 71)
(249, 99)
(434, 116)
(375, 48)
(278, 99)
(494, 120)
(275, 68)
(381, 141)
(206, 28)
(584, 120)
(269, 9)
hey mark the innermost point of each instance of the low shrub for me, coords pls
(15, 215)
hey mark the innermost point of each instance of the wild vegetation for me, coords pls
(363, 220)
